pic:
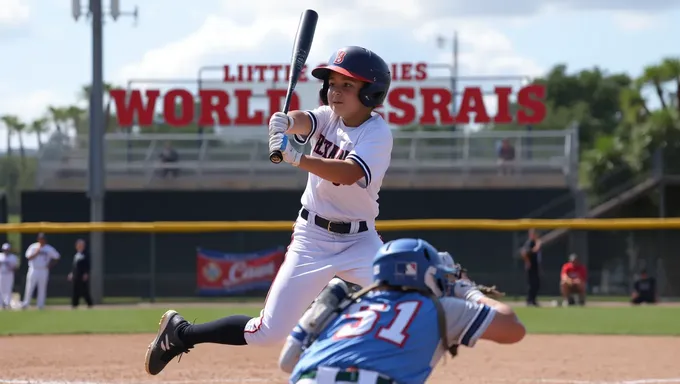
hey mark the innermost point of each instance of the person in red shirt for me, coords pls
(573, 280)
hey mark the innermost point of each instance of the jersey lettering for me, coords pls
(329, 150)
(396, 331)
(366, 318)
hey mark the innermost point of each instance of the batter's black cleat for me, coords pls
(166, 345)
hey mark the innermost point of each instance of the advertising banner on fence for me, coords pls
(220, 273)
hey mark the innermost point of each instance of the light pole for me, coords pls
(96, 167)
(441, 42)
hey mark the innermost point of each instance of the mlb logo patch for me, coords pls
(411, 269)
(407, 269)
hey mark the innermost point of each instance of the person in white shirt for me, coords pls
(334, 233)
(9, 263)
(41, 258)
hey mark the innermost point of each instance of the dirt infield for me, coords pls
(538, 359)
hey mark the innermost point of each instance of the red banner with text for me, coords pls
(219, 273)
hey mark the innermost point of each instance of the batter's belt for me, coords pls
(333, 226)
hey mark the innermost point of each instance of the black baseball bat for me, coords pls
(301, 48)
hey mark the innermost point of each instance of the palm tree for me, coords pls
(59, 117)
(38, 127)
(647, 130)
(20, 128)
(109, 120)
(672, 68)
(76, 116)
(10, 121)
(656, 75)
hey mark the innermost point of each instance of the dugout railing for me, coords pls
(240, 160)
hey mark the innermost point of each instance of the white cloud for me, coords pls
(14, 12)
(635, 21)
(266, 30)
(265, 27)
(483, 51)
(486, 59)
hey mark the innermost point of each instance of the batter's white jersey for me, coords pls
(316, 254)
(42, 261)
(369, 145)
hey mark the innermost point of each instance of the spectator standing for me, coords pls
(80, 276)
(531, 253)
(506, 157)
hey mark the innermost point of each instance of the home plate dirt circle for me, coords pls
(119, 359)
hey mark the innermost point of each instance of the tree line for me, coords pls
(623, 121)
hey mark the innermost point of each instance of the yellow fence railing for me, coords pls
(382, 225)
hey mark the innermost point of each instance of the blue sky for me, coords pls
(46, 54)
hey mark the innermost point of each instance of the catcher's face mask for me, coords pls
(450, 277)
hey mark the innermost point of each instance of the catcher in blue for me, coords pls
(397, 329)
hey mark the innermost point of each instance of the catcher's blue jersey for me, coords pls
(395, 334)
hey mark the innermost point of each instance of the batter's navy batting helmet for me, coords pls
(360, 64)
(412, 263)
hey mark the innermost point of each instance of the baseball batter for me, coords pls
(9, 263)
(334, 234)
(396, 330)
(41, 258)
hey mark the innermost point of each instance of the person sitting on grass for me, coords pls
(644, 289)
(573, 280)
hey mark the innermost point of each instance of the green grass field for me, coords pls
(644, 320)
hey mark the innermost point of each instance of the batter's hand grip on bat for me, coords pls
(276, 156)
(301, 48)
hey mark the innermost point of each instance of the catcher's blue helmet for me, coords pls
(360, 64)
(412, 263)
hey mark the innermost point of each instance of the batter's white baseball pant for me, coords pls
(314, 256)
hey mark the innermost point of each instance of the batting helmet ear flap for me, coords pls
(373, 95)
(323, 93)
